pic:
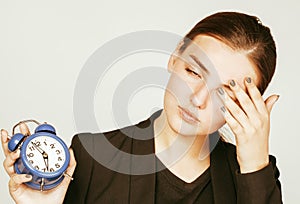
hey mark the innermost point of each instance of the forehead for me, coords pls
(222, 60)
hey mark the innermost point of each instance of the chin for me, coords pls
(191, 129)
(181, 127)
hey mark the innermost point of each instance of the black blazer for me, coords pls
(95, 183)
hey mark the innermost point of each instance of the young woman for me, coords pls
(218, 75)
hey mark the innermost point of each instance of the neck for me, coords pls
(171, 146)
(187, 157)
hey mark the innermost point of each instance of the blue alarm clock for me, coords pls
(43, 155)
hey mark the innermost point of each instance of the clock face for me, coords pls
(45, 154)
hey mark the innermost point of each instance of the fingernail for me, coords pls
(28, 176)
(277, 98)
(232, 83)
(223, 109)
(17, 151)
(248, 80)
(221, 91)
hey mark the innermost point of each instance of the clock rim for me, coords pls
(37, 172)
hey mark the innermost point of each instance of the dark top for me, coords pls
(169, 189)
(113, 175)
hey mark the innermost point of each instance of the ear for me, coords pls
(171, 62)
(174, 57)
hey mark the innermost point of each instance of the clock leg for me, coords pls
(42, 184)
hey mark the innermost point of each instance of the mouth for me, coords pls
(187, 116)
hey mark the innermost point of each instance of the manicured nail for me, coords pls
(18, 151)
(28, 176)
(221, 91)
(248, 80)
(223, 109)
(277, 98)
(232, 83)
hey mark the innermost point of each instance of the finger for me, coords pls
(226, 134)
(235, 111)
(70, 170)
(18, 179)
(4, 141)
(255, 96)
(9, 161)
(243, 99)
(72, 164)
(270, 101)
(232, 123)
(24, 129)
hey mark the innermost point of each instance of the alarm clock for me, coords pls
(43, 155)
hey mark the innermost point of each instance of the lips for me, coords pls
(187, 116)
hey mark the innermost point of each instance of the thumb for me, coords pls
(270, 101)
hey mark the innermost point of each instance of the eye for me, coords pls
(193, 73)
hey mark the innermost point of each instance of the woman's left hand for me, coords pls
(248, 116)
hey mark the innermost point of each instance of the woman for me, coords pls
(218, 73)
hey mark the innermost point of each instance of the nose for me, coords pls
(200, 96)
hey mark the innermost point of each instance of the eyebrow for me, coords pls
(200, 64)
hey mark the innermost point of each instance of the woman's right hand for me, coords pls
(20, 192)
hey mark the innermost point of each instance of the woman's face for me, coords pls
(191, 103)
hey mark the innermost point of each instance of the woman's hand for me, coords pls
(248, 115)
(20, 192)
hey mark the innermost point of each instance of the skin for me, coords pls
(19, 191)
(247, 115)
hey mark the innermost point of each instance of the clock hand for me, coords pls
(44, 154)
(38, 148)
(45, 157)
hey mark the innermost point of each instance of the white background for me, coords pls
(44, 44)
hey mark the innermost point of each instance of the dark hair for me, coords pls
(241, 32)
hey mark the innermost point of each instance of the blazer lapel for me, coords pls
(221, 176)
(143, 164)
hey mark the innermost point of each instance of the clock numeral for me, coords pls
(51, 170)
(44, 169)
(59, 159)
(32, 148)
(52, 146)
(45, 143)
(31, 161)
(57, 151)
(57, 165)
(38, 143)
(37, 168)
(30, 155)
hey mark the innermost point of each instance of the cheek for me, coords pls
(178, 90)
(216, 118)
